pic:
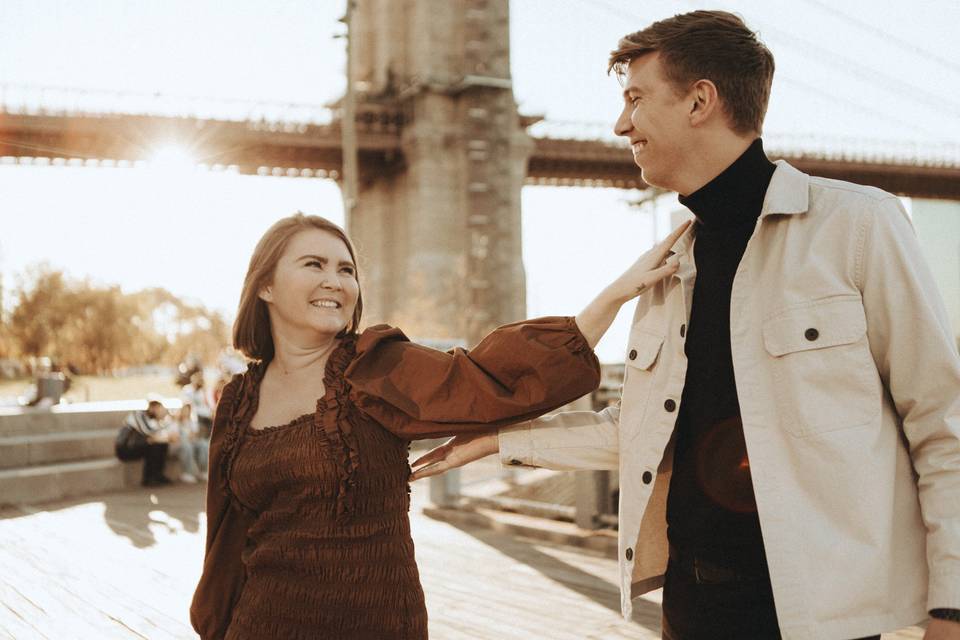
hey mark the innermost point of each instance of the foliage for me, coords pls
(95, 329)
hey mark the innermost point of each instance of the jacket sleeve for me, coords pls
(223, 576)
(517, 372)
(916, 354)
(567, 441)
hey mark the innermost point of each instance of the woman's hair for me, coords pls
(251, 329)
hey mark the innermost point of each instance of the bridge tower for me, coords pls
(438, 228)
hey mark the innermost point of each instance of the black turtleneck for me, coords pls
(711, 510)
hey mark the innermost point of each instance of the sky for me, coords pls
(869, 74)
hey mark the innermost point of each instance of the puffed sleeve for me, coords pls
(516, 373)
(223, 574)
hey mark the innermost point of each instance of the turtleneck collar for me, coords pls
(735, 197)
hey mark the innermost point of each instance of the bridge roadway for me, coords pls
(123, 565)
(312, 148)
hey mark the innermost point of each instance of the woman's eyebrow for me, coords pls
(322, 260)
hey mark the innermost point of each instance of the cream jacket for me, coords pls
(849, 387)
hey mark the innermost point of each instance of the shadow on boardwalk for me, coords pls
(566, 575)
(124, 565)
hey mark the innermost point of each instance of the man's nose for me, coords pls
(623, 126)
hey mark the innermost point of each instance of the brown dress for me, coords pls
(307, 528)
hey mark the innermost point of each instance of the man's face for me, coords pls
(655, 119)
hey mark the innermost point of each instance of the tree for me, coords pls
(97, 329)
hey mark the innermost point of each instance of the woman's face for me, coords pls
(314, 289)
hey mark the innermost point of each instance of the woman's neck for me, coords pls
(292, 356)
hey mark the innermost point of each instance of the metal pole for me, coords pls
(348, 127)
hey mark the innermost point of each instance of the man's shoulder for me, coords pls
(828, 193)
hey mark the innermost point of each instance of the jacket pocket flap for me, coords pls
(815, 325)
(643, 349)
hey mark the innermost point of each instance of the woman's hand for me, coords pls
(455, 452)
(649, 269)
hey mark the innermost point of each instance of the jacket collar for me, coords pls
(788, 193)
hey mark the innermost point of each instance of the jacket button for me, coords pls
(811, 334)
(683, 330)
(629, 554)
(647, 477)
(670, 406)
(633, 354)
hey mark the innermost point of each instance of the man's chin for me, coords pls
(651, 178)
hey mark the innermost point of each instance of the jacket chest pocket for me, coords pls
(642, 354)
(824, 377)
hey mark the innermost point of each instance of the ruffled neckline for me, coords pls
(331, 413)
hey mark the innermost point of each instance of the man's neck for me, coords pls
(734, 197)
(716, 154)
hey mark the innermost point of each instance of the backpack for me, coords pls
(130, 444)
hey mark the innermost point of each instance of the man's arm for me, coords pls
(573, 440)
(916, 355)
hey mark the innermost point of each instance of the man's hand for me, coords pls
(455, 452)
(942, 630)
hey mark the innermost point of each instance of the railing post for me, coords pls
(445, 489)
(592, 497)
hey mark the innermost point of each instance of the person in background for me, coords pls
(191, 448)
(145, 435)
(195, 394)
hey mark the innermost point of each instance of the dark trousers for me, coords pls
(735, 610)
(154, 460)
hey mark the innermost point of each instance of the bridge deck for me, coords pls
(123, 565)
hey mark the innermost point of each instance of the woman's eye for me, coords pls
(347, 270)
(314, 263)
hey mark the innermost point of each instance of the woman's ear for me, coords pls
(266, 294)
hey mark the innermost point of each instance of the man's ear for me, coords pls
(704, 101)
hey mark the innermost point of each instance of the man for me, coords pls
(144, 435)
(788, 436)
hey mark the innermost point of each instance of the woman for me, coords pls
(307, 528)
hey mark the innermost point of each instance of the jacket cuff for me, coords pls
(516, 445)
(944, 592)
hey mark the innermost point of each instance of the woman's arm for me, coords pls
(652, 267)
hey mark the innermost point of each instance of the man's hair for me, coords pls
(708, 45)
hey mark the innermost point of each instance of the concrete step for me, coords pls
(82, 416)
(47, 448)
(47, 482)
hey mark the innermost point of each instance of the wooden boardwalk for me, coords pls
(123, 565)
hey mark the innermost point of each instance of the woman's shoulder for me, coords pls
(372, 336)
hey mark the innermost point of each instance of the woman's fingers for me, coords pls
(433, 469)
(659, 274)
(667, 243)
(437, 453)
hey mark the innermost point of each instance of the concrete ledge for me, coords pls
(565, 533)
(81, 416)
(47, 448)
(48, 482)
(55, 481)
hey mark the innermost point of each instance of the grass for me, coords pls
(96, 388)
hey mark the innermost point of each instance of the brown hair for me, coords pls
(251, 329)
(710, 45)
